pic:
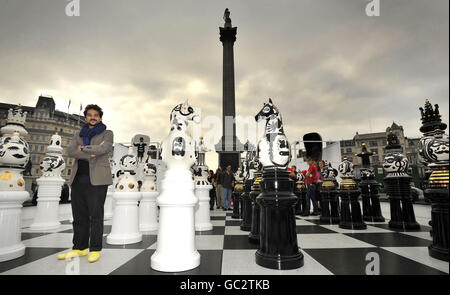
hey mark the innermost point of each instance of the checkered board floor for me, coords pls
(226, 250)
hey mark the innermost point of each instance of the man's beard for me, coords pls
(95, 123)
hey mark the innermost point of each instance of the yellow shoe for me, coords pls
(73, 253)
(94, 256)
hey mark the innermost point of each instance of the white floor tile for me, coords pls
(235, 230)
(110, 260)
(242, 262)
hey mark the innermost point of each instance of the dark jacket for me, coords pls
(227, 180)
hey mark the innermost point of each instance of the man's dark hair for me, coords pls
(141, 138)
(93, 107)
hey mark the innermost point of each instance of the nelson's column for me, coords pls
(229, 146)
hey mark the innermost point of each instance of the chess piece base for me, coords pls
(278, 248)
(125, 224)
(148, 212)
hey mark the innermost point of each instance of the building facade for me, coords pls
(376, 143)
(42, 121)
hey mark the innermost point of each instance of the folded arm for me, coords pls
(73, 152)
(100, 149)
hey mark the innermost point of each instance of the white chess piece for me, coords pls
(125, 225)
(14, 155)
(202, 188)
(49, 187)
(176, 249)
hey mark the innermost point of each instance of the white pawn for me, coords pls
(148, 210)
(49, 187)
(125, 225)
(202, 188)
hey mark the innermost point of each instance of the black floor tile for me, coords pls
(218, 217)
(393, 239)
(352, 261)
(106, 230)
(238, 242)
(423, 228)
(210, 264)
(233, 222)
(217, 230)
(27, 236)
(313, 229)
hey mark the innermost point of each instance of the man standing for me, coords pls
(140, 148)
(89, 181)
(227, 183)
(219, 190)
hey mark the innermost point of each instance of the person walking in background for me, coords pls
(227, 183)
(219, 188)
(311, 179)
(140, 148)
(320, 171)
(89, 181)
(212, 192)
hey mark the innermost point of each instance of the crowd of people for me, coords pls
(223, 184)
(313, 180)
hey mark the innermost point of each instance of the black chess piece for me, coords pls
(278, 237)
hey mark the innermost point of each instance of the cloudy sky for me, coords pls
(327, 65)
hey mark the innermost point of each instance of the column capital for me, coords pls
(228, 34)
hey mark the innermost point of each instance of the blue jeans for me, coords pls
(311, 196)
(227, 198)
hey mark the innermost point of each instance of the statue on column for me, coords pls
(226, 18)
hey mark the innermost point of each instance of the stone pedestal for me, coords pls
(398, 189)
(202, 214)
(278, 245)
(125, 225)
(246, 224)
(11, 245)
(47, 211)
(371, 201)
(148, 212)
(330, 206)
(351, 217)
(176, 249)
(108, 211)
